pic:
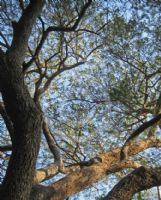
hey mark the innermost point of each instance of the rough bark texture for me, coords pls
(40, 192)
(26, 119)
(21, 109)
(25, 123)
(82, 177)
(140, 179)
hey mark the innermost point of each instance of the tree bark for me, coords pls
(26, 120)
(140, 179)
(84, 176)
(21, 109)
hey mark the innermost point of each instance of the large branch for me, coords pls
(51, 170)
(49, 192)
(140, 179)
(83, 176)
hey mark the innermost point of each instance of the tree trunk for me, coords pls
(26, 120)
(21, 109)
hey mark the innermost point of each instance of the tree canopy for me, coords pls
(80, 103)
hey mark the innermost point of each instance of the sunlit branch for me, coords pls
(103, 164)
(100, 168)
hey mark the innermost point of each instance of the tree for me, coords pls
(40, 43)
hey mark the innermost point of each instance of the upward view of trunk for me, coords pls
(83, 115)
(26, 139)
(21, 109)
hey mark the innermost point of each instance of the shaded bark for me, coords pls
(140, 179)
(40, 192)
(21, 109)
(26, 120)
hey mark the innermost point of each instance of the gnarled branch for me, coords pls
(140, 179)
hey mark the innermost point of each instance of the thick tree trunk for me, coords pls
(26, 119)
(21, 109)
